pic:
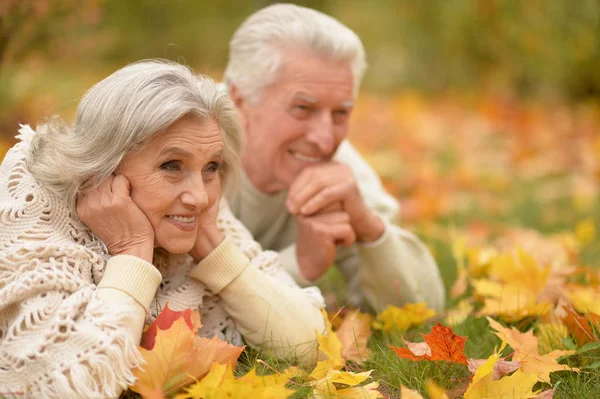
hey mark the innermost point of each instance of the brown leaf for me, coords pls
(443, 344)
(549, 394)
(501, 368)
(354, 334)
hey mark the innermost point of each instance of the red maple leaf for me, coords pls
(442, 344)
(164, 321)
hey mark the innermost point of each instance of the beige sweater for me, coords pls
(395, 269)
(71, 315)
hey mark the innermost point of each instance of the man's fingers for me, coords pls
(324, 198)
(309, 182)
(298, 197)
(343, 234)
(334, 217)
(332, 207)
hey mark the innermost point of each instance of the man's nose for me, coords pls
(322, 135)
(194, 195)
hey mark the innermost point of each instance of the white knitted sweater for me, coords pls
(52, 332)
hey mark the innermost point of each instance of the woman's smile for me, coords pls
(185, 223)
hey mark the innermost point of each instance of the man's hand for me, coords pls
(113, 217)
(318, 236)
(319, 186)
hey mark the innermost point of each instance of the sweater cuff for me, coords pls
(376, 252)
(132, 275)
(289, 261)
(223, 265)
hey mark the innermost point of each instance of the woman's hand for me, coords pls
(113, 217)
(209, 235)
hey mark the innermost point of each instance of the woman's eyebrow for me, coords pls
(176, 151)
(217, 154)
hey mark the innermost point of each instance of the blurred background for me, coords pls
(483, 116)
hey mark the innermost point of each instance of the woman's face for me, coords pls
(175, 179)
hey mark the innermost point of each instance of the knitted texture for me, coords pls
(56, 338)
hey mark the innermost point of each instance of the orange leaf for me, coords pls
(578, 326)
(179, 355)
(443, 345)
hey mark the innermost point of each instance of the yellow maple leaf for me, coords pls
(221, 383)
(521, 270)
(435, 391)
(458, 313)
(585, 231)
(325, 388)
(585, 298)
(353, 334)
(511, 302)
(330, 344)
(525, 346)
(518, 385)
(395, 318)
(368, 391)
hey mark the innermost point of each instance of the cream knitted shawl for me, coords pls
(50, 264)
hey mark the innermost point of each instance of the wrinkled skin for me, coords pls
(175, 176)
(296, 126)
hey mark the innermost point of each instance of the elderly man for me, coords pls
(294, 74)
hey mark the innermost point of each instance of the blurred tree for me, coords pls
(42, 25)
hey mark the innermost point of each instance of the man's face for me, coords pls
(300, 119)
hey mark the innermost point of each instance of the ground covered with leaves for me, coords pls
(505, 194)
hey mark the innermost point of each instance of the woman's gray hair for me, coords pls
(121, 114)
(255, 50)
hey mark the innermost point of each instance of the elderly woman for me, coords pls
(105, 221)
(294, 74)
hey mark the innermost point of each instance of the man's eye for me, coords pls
(171, 166)
(340, 116)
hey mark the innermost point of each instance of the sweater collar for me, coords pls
(250, 192)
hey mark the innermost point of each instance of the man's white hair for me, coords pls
(121, 114)
(257, 46)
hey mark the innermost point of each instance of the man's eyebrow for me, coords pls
(312, 100)
(306, 97)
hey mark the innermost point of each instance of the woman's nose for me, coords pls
(195, 195)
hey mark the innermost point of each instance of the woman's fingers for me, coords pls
(120, 186)
(105, 185)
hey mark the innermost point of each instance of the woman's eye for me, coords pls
(171, 166)
(213, 167)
